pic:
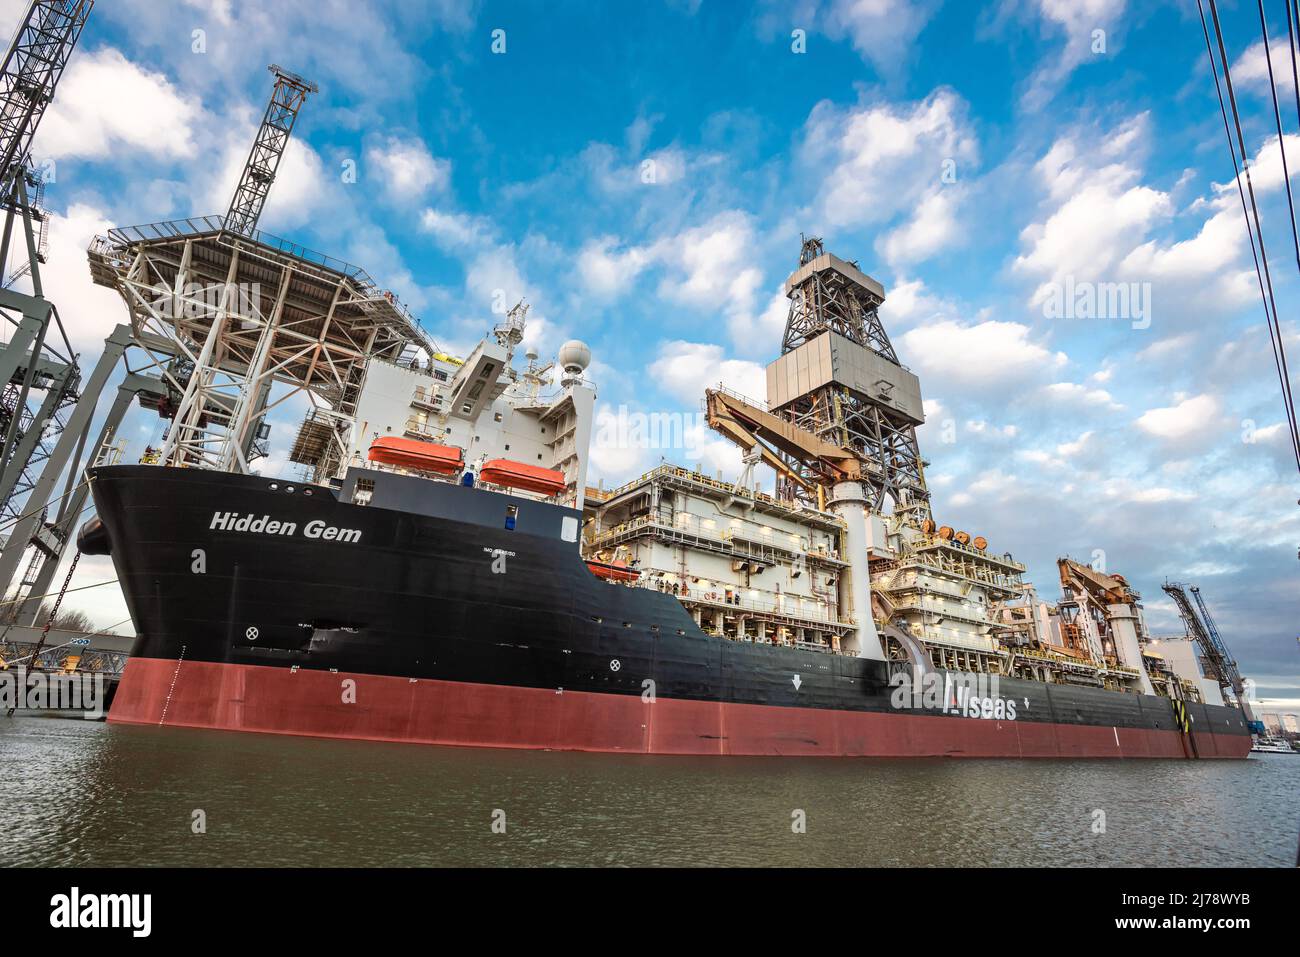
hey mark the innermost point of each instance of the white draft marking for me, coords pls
(175, 674)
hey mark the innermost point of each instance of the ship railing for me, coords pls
(756, 403)
(776, 642)
(418, 427)
(791, 606)
(741, 538)
(427, 398)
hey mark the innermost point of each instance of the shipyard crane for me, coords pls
(287, 98)
(1217, 661)
(37, 443)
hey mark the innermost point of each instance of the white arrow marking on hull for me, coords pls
(797, 682)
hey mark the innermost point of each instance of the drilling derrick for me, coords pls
(839, 429)
(839, 378)
(840, 422)
(287, 99)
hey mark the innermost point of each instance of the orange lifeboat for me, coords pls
(416, 454)
(613, 571)
(530, 478)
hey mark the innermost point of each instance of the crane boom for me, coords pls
(287, 99)
(1213, 650)
(40, 50)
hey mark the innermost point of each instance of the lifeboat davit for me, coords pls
(416, 454)
(613, 571)
(530, 478)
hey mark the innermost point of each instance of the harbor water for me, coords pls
(83, 793)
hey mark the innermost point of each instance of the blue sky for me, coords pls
(1072, 155)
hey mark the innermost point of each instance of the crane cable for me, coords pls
(1260, 255)
(1285, 371)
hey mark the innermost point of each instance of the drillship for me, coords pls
(445, 575)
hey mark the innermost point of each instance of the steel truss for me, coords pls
(272, 137)
(884, 440)
(226, 317)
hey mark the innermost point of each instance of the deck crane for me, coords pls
(287, 98)
(801, 457)
(1214, 653)
(1100, 615)
(1218, 663)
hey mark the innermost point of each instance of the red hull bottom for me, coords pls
(312, 703)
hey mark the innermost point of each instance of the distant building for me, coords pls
(1291, 724)
(1272, 722)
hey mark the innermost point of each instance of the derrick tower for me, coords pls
(839, 427)
(839, 378)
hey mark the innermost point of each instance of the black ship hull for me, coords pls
(452, 615)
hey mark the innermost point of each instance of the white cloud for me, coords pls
(1076, 393)
(709, 263)
(451, 230)
(1100, 209)
(931, 228)
(1079, 20)
(1250, 69)
(612, 173)
(607, 270)
(982, 354)
(686, 369)
(1187, 418)
(89, 312)
(106, 102)
(407, 169)
(1099, 218)
(879, 161)
(908, 303)
(882, 31)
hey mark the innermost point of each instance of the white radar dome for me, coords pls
(574, 357)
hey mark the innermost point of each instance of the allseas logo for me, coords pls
(74, 910)
(965, 694)
(265, 525)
